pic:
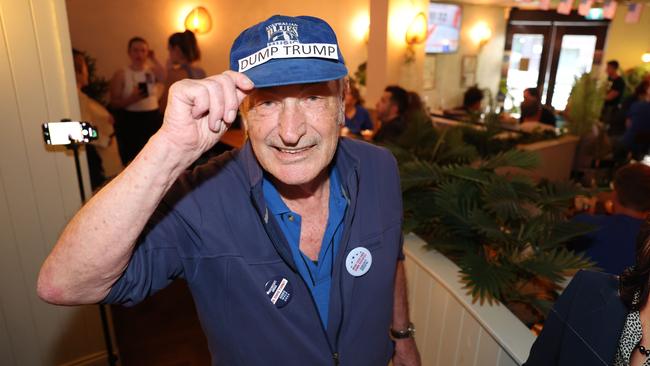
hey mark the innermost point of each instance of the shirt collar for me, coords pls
(277, 206)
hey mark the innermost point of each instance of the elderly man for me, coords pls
(290, 247)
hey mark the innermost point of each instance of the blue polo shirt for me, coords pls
(317, 275)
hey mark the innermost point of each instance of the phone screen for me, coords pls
(144, 90)
(60, 133)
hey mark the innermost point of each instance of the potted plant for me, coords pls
(505, 232)
(582, 115)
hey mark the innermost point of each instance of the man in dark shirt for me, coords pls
(612, 245)
(390, 112)
(531, 95)
(614, 93)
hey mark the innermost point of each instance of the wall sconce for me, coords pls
(646, 57)
(417, 30)
(481, 34)
(198, 20)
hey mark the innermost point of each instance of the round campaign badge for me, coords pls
(279, 290)
(358, 261)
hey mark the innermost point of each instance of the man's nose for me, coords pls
(292, 122)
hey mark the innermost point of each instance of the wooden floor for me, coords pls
(163, 330)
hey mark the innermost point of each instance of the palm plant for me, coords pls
(503, 231)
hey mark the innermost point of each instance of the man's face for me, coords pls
(294, 129)
(527, 96)
(384, 107)
(610, 70)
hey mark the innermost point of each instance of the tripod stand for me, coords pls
(112, 358)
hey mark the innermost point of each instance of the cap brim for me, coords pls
(295, 71)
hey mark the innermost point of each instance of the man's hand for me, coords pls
(406, 353)
(200, 111)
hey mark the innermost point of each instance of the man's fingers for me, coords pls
(216, 98)
(188, 96)
(243, 84)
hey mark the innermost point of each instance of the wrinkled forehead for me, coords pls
(323, 88)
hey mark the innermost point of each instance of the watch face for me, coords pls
(401, 334)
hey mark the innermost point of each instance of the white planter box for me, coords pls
(451, 330)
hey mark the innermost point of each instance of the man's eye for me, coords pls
(266, 103)
(313, 98)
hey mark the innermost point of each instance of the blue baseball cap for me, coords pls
(285, 50)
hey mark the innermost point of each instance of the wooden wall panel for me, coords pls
(38, 185)
(449, 328)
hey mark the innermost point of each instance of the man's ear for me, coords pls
(345, 87)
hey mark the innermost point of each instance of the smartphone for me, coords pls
(60, 133)
(144, 90)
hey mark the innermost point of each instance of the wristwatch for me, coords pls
(403, 334)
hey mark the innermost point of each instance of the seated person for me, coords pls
(547, 116)
(611, 246)
(600, 319)
(471, 103)
(390, 111)
(357, 117)
(531, 113)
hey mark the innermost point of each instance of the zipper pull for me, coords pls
(335, 356)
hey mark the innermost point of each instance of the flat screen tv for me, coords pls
(443, 28)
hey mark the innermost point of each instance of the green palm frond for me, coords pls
(418, 173)
(513, 158)
(484, 280)
(555, 263)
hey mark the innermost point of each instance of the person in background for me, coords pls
(390, 111)
(357, 117)
(471, 106)
(640, 94)
(184, 53)
(636, 139)
(611, 246)
(546, 116)
(134, 94)
(600, 318)
(290, 247)
(531, 111)
(103, 158)
(613, 97)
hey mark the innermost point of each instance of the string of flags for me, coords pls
(633, 9)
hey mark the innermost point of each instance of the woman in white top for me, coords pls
(134, 93)
(184, 54)
(103, 159)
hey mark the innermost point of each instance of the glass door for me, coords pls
(579, 49)
(549, 51)
(527, 52)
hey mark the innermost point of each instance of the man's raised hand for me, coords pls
(200, 111)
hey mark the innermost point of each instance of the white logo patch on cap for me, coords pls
(295, 50)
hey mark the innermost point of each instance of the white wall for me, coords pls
(447, 91)
(103, 28)
(38, 187)
(627, 42)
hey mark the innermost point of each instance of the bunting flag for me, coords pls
(609, 9)
(564, 7)
(584, 6)
(633, 12)
(544, 4)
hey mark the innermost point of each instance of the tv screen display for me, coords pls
(443, 28)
